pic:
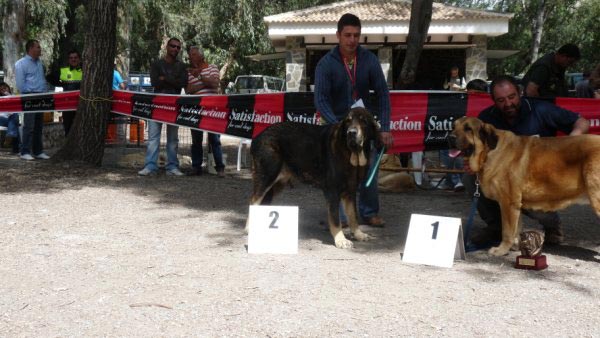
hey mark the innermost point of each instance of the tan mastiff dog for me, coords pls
(529, 172)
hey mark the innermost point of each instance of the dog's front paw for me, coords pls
(343, 243)
(499, 250)
(361, 236)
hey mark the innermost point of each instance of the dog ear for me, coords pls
(488, 135)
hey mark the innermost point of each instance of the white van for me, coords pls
(249, 84)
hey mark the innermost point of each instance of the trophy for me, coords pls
(531, 258)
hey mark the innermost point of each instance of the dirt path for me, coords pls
(103, 252)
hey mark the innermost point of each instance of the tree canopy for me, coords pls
(231, 30)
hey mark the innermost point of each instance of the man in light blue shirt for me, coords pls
(29, 73)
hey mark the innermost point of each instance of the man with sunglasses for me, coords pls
(168, 75)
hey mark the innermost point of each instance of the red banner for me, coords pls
(419, 120)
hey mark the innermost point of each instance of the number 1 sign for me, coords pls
(273, 229)
(432, 240)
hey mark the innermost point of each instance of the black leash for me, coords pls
(467, 233)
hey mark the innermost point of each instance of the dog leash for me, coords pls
(375, 167)
(467, 233)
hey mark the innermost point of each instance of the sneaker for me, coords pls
(27, 157)
(221, 173)
(175, 172)
(42, 156)
(375, 221)
(459, 187)
(146, 172)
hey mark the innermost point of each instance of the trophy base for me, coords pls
(531, 263)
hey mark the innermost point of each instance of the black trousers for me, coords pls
(68, 117)
(489, 210)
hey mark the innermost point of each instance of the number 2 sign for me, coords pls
(273, 229)
(432, 240)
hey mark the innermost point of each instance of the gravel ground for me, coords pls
(102, 252)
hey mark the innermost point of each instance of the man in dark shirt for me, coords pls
(522, 116)
(69, 78)
(168, 75)
(546, 76)
(344, 76)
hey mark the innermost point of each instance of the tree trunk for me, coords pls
(538, 28)
(13, 26)
(228, 63)
(420, 18)
(86, 140)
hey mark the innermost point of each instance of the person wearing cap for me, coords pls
(10, 121)
(546, 76)
(203, 79)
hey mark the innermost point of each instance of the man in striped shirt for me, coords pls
(203, 79)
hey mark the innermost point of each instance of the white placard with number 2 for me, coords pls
(432, 240)
(273, 229)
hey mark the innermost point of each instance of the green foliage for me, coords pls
(231, 30)
(567, 21)
(45, 22)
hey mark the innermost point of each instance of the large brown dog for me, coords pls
(529, 172)
(332, 157)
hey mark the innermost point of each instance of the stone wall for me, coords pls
(295, 64)
(385, 59)
(53, 135)
(476, 59)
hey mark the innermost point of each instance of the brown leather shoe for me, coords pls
(375, 221)
(221, 173)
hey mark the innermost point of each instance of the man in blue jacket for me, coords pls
(522, 116)
(344, 76)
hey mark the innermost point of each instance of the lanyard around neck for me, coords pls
(351, 76)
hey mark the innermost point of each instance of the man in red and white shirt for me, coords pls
(203, 79)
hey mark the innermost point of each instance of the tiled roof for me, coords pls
(378, 10)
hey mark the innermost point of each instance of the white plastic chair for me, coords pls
(243, 142)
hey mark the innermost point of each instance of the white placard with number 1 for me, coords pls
(433, 240)
(273, 229)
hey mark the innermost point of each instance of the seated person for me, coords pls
(10, 121)
(477, 86)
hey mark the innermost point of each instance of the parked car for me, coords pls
(250, 84)
(572, 79)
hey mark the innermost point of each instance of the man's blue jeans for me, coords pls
(33, 124)
(451, 163)
(154, 129)
(11, 123)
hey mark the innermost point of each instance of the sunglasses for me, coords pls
(175, 46)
